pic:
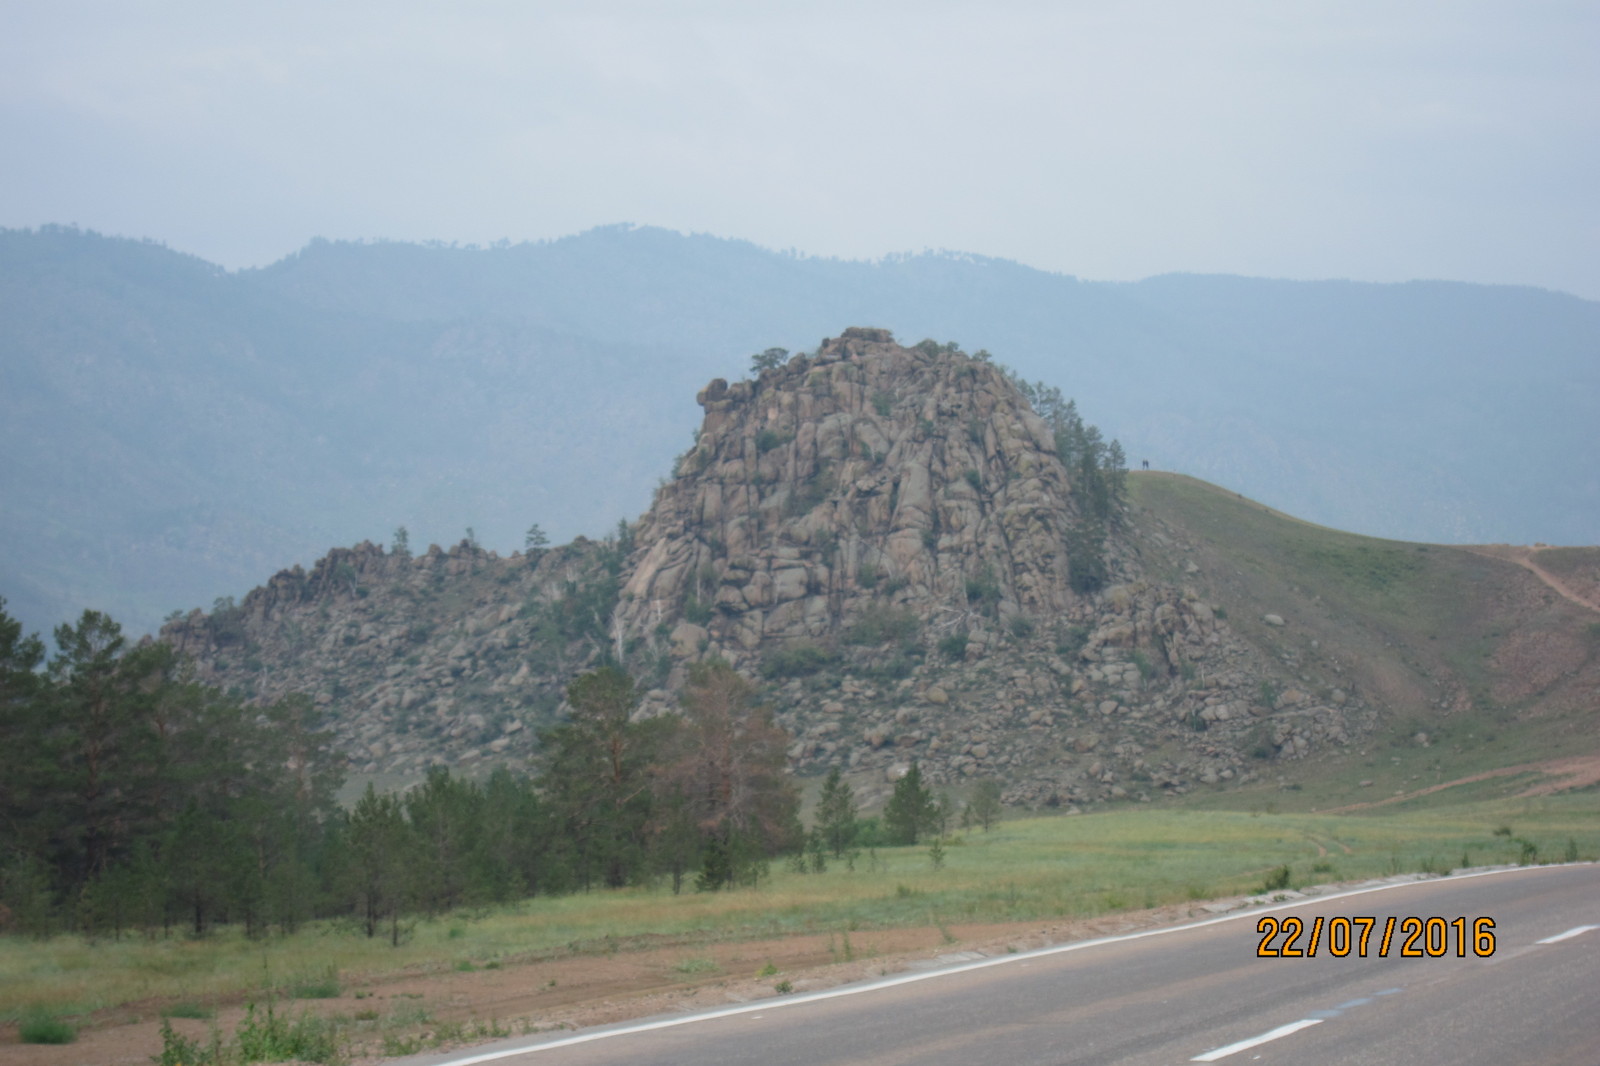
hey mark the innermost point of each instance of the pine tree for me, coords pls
(728, 761)
(910, 812)
(23, 769)
(597, 778)
(445, 813)
(983, 808)
(382, 855)
(836, 813)
(104, 752)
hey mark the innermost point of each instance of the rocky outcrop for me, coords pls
(892, 524)
(454, 657)
(865, 474)
(880, 535)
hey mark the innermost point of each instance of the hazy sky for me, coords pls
(1378, 141)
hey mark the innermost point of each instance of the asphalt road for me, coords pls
(1196, 993)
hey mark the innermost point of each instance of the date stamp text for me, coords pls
(1409, 938)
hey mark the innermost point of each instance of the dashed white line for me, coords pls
(1000, 960)
(1568, 935)
(1255, 1041)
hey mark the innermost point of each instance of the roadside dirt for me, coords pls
(574, 993)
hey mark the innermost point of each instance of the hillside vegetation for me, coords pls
(1478, 663)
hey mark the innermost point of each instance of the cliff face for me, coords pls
(867, 474)
(879, 533)
(884, 534)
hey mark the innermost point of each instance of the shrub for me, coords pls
(954, 647)
(896, 669)
(695, 611)
(769, 439)
(1022, 627)
(42, 1027)
(179, 1050)
(1276, 880)
(974, 479)
(1142, 661)
(880, 624)
(274, 1039)
(883, 402)
(323, 986)
(797, 660)
(1070, 641)
(983, 591)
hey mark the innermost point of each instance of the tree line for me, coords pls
(133, 798)
(1099, 472)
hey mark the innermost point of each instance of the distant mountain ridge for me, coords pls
(175, 431)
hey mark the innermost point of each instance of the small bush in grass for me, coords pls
(783, 988)
(179, 1050)
(42, 1027)
(1277, 879)
(323, 986)
(274, 1039)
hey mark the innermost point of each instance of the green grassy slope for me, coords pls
(1478, 664)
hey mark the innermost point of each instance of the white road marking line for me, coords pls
(1575, 931)
(1280, 1031)
(586, 1036)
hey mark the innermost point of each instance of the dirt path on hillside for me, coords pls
(582, 991)
(1524, 557)
(1561, 774)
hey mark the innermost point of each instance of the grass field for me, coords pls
(1035, 868)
